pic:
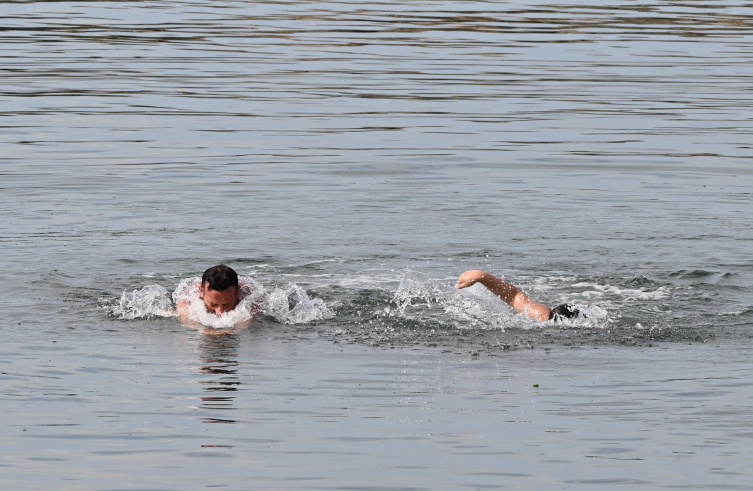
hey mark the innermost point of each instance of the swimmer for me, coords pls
(515, 297)
(219, 290)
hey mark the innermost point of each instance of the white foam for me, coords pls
(150, 301)
(278, 305)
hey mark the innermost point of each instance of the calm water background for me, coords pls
(369, 153)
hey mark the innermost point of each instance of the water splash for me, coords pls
(148, 302)
(304, 309)
(289, 305)
(419, 296)
(251, 293)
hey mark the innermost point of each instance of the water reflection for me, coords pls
(219, 356)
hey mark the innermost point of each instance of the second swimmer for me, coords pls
(516, 298)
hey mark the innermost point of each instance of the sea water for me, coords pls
(350, 161)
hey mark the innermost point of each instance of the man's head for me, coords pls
(219, 289)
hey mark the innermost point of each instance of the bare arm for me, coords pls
(507, 292)
(182, 310)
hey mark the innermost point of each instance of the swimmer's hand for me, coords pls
(471, 277)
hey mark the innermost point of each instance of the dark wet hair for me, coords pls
(565, 311)
(219, 278)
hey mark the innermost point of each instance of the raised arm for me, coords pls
(507, 292)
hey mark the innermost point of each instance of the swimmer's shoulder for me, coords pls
(181, 308)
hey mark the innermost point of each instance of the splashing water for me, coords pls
(304, 308)
(155, 301)
(251, 293)
(429, 299)
(148, 302)
(473, 307)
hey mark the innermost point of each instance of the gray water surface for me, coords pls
(363, 155)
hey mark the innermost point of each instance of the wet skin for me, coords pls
(219, 301)
(507, 292)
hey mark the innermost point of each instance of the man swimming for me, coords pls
(515, 297)
(219, 291)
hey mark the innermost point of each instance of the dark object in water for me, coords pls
(565, 311)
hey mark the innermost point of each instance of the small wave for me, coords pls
(696, 274)
(626, 294)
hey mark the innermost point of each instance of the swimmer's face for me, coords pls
(219, 301)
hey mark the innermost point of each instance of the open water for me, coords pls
(352, 159)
